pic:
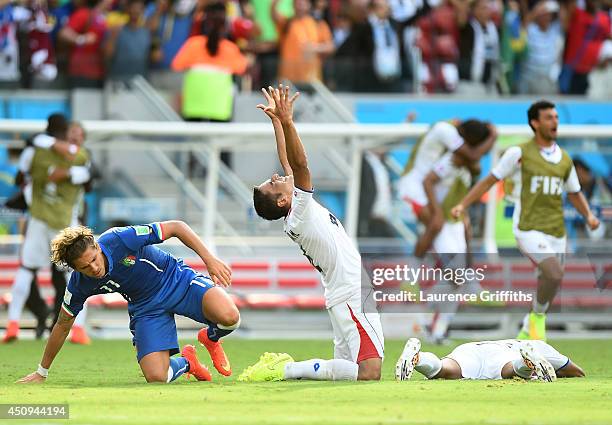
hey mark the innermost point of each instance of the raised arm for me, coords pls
(278, 132)
(473, 195)
(219, 272)
(54, 345)
(296, 154)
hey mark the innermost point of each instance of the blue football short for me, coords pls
(154, 329)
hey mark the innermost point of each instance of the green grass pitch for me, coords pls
(103, 385)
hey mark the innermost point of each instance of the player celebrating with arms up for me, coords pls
(358, 337)
(156, 285)
(543, 171)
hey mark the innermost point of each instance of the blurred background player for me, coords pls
(471, 139)
(157, 286)
(78, 335)
(448, 181)
(504, 359)
(543, 172)
(57, 169)
(358, 336)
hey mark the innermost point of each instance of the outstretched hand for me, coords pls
(280, 105)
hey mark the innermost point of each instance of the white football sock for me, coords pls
(521, 369)
(81, 317)
(20, 292)
(429, 364)
(525, 326)
(322, 370)
(539, 308)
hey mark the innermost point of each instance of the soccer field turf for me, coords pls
(103, 385)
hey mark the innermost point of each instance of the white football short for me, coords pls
(538, 246)
(451, 239)
(410, 189)
(36, 248)
(486, 359)
(358, 335)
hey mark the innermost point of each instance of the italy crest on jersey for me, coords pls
(129, 261)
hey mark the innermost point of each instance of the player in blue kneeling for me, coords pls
(156, 285)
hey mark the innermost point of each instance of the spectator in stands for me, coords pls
(84, 33)
(39, 52)
(541, 67)
(304, 43)
(10, 17)
(478, 49)
(210, 61)
(265, 45)
(170, 24)
(374, 53)
(128, 48)
(437, 41)
(587, 28)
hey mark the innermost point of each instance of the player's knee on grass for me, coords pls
(155, 365)
(370, 370)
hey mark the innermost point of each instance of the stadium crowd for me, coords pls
(445, 46)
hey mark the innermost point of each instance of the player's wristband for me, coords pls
(42, 371)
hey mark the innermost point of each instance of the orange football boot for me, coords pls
(12, 331)
(219, 359)
(196, 368)
(79, 336)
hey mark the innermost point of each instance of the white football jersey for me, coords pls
(324, 242)
(443, 137)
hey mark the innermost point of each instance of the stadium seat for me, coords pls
(298, 283)
(9, 264)
(295, 266)
(43, 280)
(580, 268)
(309, 302)
(250, 266)
(251, 282)
(493, 283)
(268, 301)
(522, 268)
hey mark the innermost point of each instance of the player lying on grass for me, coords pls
(542, 172)
(156, 285)
(358, 337)
(469, 139)
(502, 359)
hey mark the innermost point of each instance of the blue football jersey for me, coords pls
(137, 269)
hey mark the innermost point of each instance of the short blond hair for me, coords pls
(70, 244)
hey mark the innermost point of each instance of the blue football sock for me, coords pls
(216, 332)
(178, 366)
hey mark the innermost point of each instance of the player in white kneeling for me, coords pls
(358, 337)
(503, 359)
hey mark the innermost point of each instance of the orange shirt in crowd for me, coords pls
(298, 64)
(194, 53)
